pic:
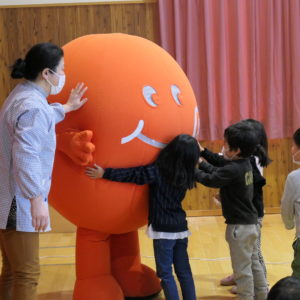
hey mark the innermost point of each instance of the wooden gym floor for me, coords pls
(208, 250)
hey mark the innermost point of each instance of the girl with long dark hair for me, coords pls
(169, 177)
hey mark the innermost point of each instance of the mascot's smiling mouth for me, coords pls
(137, 133)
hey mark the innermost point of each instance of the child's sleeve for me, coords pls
(138, 175)
(206, 167)
(214, 158)
(220, 177)
(287, 204)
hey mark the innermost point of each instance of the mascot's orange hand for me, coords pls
(77, 145)
(94, 173)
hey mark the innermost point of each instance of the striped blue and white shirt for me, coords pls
(27, 148)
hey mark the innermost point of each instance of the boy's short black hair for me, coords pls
(241, 136)
(287, 288)
(296, 137)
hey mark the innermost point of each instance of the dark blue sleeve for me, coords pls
(138, 175)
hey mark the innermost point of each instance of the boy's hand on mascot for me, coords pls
(201, 148)
(94, 172)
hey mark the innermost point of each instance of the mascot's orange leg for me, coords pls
(135, 279)
(93, 268)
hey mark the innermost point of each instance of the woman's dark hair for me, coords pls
(296, 137)
(262, 154)
(39, 57)
(241, 136)
(178, 160)
(287, 288)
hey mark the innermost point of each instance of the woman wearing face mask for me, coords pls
(27, 134)
(290, 203)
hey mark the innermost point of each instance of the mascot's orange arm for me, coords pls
(76, 145)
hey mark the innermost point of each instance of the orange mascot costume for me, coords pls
(139, 99)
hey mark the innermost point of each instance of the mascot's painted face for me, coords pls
(139, 99)
(152, 99)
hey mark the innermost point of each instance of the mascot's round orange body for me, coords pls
(139, 99)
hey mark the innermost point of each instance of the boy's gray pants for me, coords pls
(248, 272)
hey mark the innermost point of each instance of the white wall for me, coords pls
(42, 2)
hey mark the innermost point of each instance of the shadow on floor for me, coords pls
(68, 296)
(56, 296)
(216, 297)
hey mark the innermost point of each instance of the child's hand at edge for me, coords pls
(201, 148)
(217, 200)
(94, 172)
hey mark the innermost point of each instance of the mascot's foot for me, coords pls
(98, 288)
(138, 284)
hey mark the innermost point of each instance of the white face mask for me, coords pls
(56, 89)
(297, 162)
(225, 155)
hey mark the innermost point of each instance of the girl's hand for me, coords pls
(95, 172)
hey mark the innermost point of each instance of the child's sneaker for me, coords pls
(233, 290)
(229, 280)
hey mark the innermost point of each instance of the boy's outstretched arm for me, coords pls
(206, 167)
(215, 159)
(221, 177)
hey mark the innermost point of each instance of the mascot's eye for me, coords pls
(176, 93)
(150, 95)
